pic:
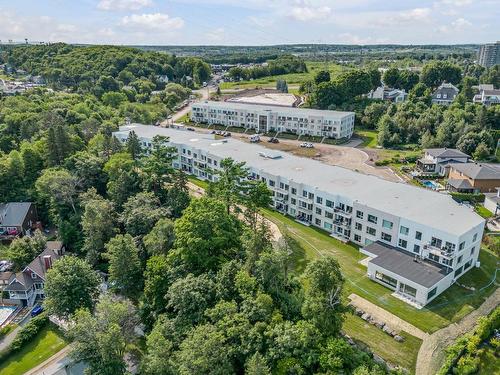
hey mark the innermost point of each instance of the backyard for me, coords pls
(45, 344)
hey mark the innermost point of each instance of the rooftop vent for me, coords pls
(270, 155)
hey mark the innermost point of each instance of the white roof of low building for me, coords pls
(413, 203)
(285, 110)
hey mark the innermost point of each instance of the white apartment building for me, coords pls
(418, 241)
(263, 119)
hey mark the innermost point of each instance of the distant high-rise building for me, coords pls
(489, 54)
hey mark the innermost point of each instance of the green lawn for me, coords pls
(292, 79)
(403, 354)
(447, 308)
(369, 137)
(483, 211)
(47, 343)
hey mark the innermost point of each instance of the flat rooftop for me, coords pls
(274, 98)
(258, 107)
(411, 202)
(403, 264)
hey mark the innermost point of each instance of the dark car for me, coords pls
(190, 129)
(273, 140)
(37, 310)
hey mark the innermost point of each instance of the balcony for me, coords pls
(339, 211)
(444, 252)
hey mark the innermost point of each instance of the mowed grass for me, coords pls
(369, 137)
(47, 343)
(449, 307)
(292, 79)
(402, 354)
(483, 211)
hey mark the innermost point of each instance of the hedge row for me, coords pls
(467, 197)
(462, 357)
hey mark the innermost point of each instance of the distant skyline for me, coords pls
(251, 22)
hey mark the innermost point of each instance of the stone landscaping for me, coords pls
(379, 324)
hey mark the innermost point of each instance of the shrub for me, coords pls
(464, 197)
(6, 330)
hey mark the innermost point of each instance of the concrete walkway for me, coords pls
(385, 316)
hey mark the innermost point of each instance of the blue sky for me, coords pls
(251, 22)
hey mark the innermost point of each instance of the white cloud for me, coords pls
(123, 4)
(309, 13)
(461, 23)
(217, 35)
(457, 3)
(153, 21)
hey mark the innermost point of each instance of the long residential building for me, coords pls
(489, 54)
(418, 241)
(264, 119)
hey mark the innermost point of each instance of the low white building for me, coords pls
(438, 160)
(487, 95)
(266, 118)
(389, 94)
(428, 232)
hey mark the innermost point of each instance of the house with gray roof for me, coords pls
(17, 219)
(436, 161)
(28, 285)
(474, 177)
(444, 94)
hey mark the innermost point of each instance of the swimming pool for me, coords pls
(430, 184)
(5, 312)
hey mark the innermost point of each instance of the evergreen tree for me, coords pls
(134, 145)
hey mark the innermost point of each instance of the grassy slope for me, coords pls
(403, 353)
(451, 306)
(291, 79)
(47, 343)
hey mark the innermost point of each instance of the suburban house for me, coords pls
(28, 285)
(492, 202)
(474, 177)
(265, 118)
(417, 229)
(487, 95)
(437, 160)
(389, 94)
(17, 219)
(444, 94)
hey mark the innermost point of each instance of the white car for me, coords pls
(306, 145)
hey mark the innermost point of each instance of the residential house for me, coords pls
(444, 94)
(17, 219)
(28, 285)
(487, 95)
(350, 206)
(492, 202)
(437, 160)
(389, 94)
(474, 177)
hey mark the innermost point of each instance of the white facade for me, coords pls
(263, 119)
(349, 205)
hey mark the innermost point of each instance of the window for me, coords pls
(406, 289)
(387, 224)
(318, 211)
(458, 271)
(368, 241)
(319, 200)
(434, 257)
(436, 242)
(271, 183)
(304, 193)
(416, 249)
(294, 191)
(468, 264)
(293, 201)
(318, 222)
(460, 259)
(404, 230)
(448, 262)
(472, 250)
(449, 245)
(372, 219)
(371, 231)
(357, 238)
(327, 225)
(402, 243)
(461, 246)
(418, 235)
(474, 238)
(329, 203)
(358, 226)
(359, 214)
(386, 237)
(386, 279)
(311, 196)
(328, 215)
(432, 293)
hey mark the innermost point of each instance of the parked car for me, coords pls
(190, 129)
(37, 310)
(273, 140)
(306, 145)
(255, 138)
(226, 134)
